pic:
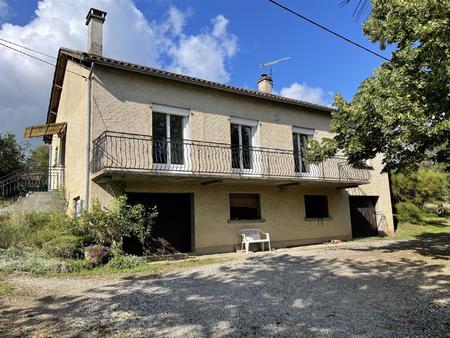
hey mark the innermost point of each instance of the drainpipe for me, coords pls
(87, 173)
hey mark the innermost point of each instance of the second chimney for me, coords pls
(265, 84)
(94, 20)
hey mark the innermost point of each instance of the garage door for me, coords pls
(174, 222)
(363, 216)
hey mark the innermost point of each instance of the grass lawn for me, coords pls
(152, 268)
(5, 288)
(433, 226)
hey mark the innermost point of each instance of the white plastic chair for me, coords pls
(254, 236)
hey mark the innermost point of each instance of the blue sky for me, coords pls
(251, 32)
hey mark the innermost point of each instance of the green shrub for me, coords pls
(426, 185)
(79, 264)
(25, 259)
(67, 246)
(109, 226)
(408, 212)
(7, 232)
(31, 229)
(125, 261)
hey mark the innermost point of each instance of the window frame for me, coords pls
(258, 208)
(169, 111)
(327, 207)
(253, 124)
(308, 134)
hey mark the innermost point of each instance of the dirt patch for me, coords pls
(383, 289)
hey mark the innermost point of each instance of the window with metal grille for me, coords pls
(245, 207)
(316, 206)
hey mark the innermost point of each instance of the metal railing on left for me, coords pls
(23, 181)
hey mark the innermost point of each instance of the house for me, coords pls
(212, 157)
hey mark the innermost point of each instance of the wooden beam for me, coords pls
(44, 130)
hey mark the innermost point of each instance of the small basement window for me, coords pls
(316, 206)
(245, 207)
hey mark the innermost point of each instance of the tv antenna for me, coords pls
(271, 63)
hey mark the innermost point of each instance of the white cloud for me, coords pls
(177, 20)
(306, 93)
(205, 55)
(128, 35)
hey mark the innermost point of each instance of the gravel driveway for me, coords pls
(364, 289)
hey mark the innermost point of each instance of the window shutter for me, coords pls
(244, 201)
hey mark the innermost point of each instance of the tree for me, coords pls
(38, 157)
(12, 154)
(402, 110)
(428, 184)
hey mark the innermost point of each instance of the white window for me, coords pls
(300, 138)
(243, 140)
(169, 126)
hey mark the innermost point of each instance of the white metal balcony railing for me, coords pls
(114, 151)
(31, 179)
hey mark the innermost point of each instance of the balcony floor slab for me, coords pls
(109, 175)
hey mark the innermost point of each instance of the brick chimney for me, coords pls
(94, 20)
(265, 84)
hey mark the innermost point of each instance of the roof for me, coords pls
(87, 59)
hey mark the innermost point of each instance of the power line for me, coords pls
(37, 58)
(24, 53)
(25, 47)
(327, 29)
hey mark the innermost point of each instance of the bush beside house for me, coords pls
(42, 242)
(412, 190)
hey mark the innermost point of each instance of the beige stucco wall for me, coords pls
(123, 101)
(72, 111)
(282, 211)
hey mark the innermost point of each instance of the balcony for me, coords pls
(115, 152)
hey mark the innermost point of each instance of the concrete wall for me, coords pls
(42, 201)
(72, 111)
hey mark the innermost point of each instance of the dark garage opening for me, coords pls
(174, 222)
(363, 216)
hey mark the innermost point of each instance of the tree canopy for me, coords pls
(15, 156)
(12, 154)
(38, 156)
(428, 184)
(402, 110)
